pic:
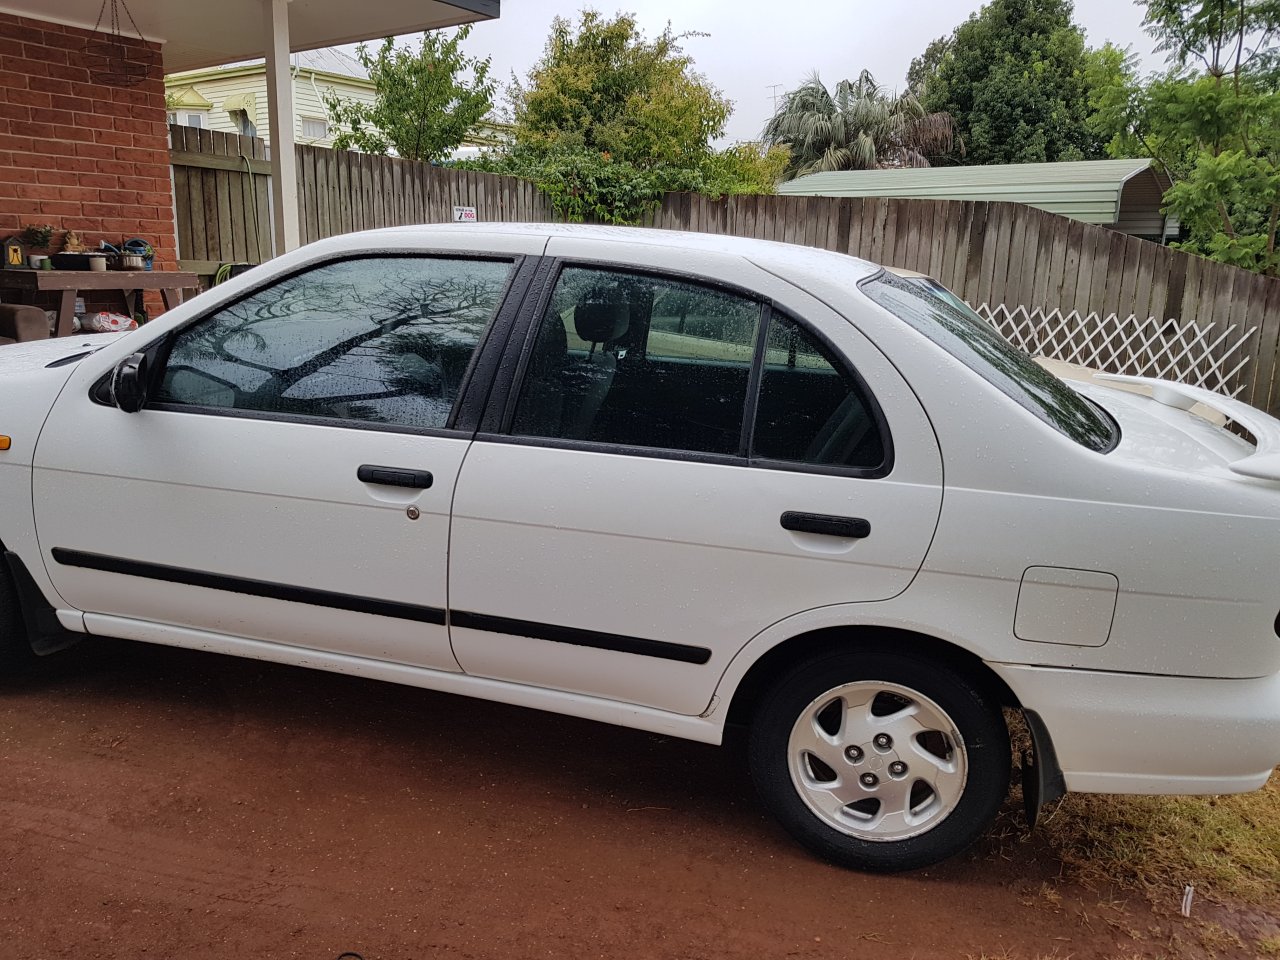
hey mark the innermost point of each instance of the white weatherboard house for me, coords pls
(233, 98)
(1123, 195)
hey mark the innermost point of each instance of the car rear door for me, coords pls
(290, 478)
(679, 463)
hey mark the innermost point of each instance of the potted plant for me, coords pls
(38, 236)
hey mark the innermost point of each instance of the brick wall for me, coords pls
(76, 154)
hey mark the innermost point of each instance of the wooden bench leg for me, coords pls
(171, 298)
(66, 312)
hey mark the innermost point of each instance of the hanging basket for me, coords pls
(114, 59)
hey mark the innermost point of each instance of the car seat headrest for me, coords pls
(601, 322)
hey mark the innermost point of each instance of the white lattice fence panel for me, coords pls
(1204, 355)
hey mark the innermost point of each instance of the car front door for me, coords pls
(680, 465)
(289, 479)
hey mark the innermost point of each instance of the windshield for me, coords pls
(948, 321)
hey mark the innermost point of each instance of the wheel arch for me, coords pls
(783, 656)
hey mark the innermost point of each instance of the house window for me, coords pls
(314, 128)
(187, 119)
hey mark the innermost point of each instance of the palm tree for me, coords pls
(861, 126)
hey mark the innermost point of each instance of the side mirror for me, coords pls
(129, 383)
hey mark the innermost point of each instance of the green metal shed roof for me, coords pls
(1087, 190)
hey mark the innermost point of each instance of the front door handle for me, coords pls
(855, 528)
(394, 476)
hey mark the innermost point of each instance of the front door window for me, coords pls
(377, 340)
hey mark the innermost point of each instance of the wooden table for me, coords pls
(71, 283)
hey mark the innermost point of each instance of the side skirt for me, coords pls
(707, 729)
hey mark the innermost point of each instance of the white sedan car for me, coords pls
(673, 482)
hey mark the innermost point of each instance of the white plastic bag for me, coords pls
(105, 322)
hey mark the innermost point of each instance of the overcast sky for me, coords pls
(755, 44)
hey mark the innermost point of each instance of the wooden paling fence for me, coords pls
(1100, 292)
(340, 191)
(1007, 255)
(222, 192)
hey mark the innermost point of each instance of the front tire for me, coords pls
(880, 761)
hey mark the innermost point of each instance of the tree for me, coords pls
(604, 87)
(859, 127)
(1212, 122)
(607, 121)
(1225, 37)
(1014, 80)
(424, 105)
(925, 67)
(747, 168)
(1217, 130)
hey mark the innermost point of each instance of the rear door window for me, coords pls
(634, 360)
(640, 361)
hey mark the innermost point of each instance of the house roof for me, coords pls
(196, 35)
(328, 62)
(186, 97)
(1086, 190)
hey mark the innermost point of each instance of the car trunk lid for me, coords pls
(1159, 426)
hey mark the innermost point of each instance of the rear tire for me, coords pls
(15, 647)
(880, 761)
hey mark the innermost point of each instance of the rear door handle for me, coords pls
(394, 476)
(855, 528)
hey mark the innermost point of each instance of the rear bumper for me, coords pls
(1135, 733)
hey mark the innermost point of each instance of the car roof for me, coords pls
(791, 257)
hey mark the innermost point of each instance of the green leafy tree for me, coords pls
(603, 86)
(1230, 204)
(609, 120)
(746, 168)
(925, 67)
(1014, 79)
(425, 102)
(860, 126)
(1222, 38)
(1212, 122)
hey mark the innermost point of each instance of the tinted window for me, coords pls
(949, 322)
(379, 340)
(811, 410)
(640, 361)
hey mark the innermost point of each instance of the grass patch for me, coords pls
(1229, 846)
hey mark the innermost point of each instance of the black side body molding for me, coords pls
(662, 649)
(252, 588)
(45, 632)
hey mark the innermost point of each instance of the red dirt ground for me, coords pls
(165, 803)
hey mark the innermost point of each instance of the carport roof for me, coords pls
(198, 35)
(1087, 190)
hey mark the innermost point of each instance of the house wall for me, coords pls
(76, 154)
(309, 89)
